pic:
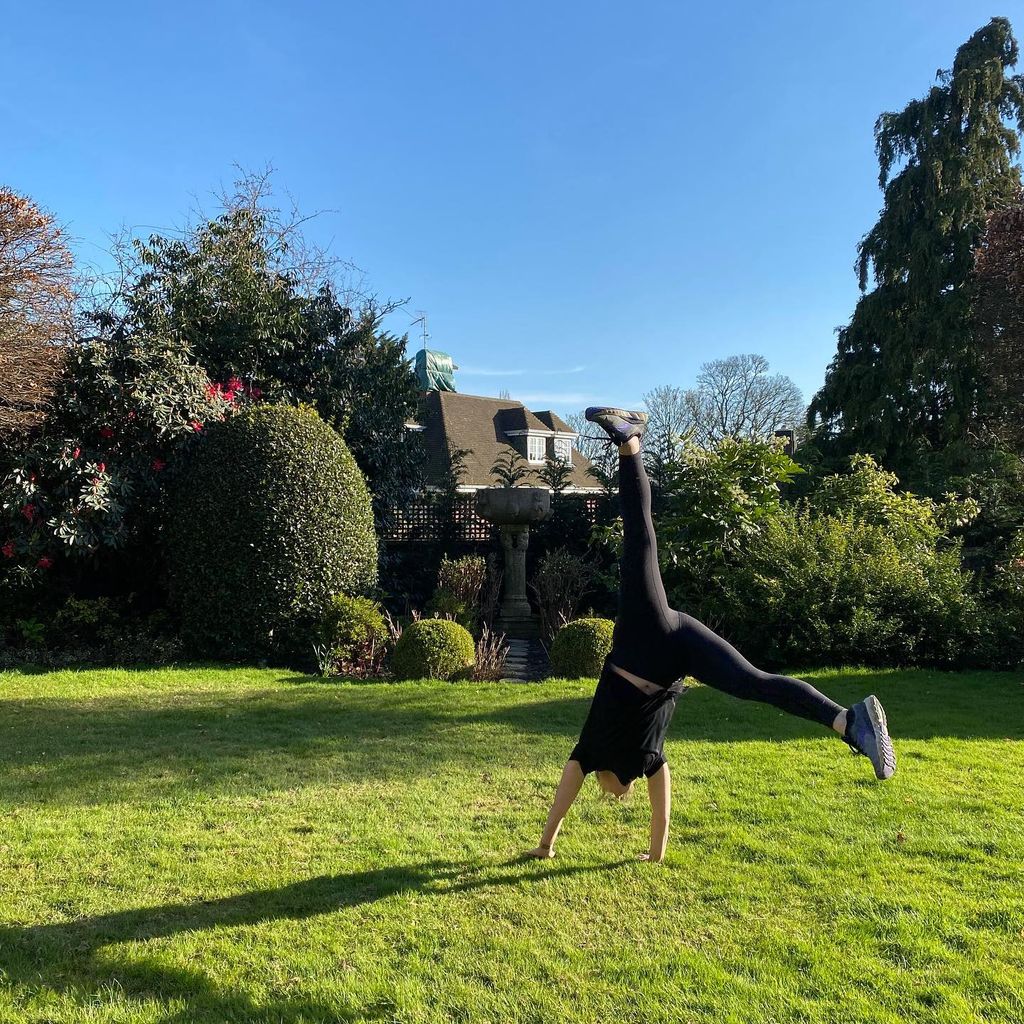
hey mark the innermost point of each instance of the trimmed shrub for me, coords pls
(433, 649)
(580, 647)
(270, 519)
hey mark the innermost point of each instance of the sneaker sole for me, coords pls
(876, 715)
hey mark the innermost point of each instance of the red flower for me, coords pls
(132, 414)
(212, 390)
(159, 465)
(32, 477)
(197, 426)
(106, 431)
(101, 466)
(234, 384)
(29, 512)
(255, 392)
(76, 453)
(8, 550)
(45, 562)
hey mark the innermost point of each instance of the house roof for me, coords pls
(450, 419)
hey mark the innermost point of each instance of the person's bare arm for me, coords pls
(659, 789)
(569, 787)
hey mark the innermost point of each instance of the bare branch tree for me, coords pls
(737, 397)
(37, 308)
(670, 417)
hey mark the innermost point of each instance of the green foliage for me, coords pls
(270, 518)
(510, 469)
(125, 411)
(555, 475)
(433, 649)
(238, 290)
(580, 648)
(353, 626)
(713, 501)
(833, 589)
(905, 376)
(869, 493)
(460, 583)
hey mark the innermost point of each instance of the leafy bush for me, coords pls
(460, 583)
(580, 647)
(353, 637)
(433, 649)
(270, 518)
(836, 590)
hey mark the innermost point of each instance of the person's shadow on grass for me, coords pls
(62, 958)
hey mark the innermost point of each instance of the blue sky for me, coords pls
(588, 199)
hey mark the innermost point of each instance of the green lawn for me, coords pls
(251, 845)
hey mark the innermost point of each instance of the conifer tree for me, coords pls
(905, 375)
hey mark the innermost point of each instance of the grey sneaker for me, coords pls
(619, 424)
(868, 734)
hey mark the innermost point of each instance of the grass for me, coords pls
(210, 845)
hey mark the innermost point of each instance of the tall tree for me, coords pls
(36, 308)
(999, 321)
(255, 304)
(905, 375)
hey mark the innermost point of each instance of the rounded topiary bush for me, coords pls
(351, 625)
(269, 518)
(580, 647)
(433, 649)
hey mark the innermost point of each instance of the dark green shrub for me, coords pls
(352, 626)
(580, 647)
(433, 649)
(269, 519)
(87, 622)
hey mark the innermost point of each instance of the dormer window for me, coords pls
(563, 450)
(536, 449)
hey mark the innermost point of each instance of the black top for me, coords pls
(625, 729)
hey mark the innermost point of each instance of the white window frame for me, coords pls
(563, 450)
(536, 448)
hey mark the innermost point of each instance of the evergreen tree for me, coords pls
(905, 376)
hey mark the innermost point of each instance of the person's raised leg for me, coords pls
(642, 596)
(715, 662)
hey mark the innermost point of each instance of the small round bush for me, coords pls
(351, 625)
(580, 647)
(433, 649)
(269, 518)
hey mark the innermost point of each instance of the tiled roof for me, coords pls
(481, 424)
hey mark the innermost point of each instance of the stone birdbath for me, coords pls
(512, 510)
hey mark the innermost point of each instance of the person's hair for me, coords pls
(604, 781)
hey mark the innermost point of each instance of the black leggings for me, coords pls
(659, 644)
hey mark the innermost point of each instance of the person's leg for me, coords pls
(715, 662)
(641, 590)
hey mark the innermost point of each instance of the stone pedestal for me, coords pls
(512, 509)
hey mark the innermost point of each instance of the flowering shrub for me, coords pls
(268, 520)
(124, 411)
